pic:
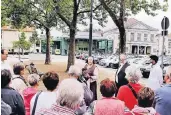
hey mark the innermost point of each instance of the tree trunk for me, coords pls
(47, 60)
(71, 53)
(19, 54)
(122, 44)
(23, 52)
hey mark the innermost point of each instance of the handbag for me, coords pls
(35, 103)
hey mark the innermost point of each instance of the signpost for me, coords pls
(165, 26)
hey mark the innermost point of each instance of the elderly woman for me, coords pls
(29, 92)
(92, 75)
(128, 93)
(18, 81)
(145, 102)
(108, 105)
(69, 97)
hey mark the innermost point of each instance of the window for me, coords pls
(152, 38)
(169, 44)
(139, 37)
(132, 36)
(145, 37)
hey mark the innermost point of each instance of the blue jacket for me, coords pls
(163, 100)
(14, 100)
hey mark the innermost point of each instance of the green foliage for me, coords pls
(34, 38)
(22, 43)
(44, 42)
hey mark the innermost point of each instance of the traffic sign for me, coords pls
(165, 23)
(164, 33)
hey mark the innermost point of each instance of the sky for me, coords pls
(154, 22)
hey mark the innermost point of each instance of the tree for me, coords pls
(118, 10)
(22, 44)
(37, 13)
(71, 13)
(34, 39)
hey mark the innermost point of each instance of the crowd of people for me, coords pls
(77, 94)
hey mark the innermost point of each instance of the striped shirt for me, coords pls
(56, 110)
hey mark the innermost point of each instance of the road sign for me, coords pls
(165, 23)
(164, 33)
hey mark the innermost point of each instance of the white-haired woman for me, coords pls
(69, 97)
(128, 93)
(29, 92)
(91, 73)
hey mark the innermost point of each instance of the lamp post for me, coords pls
(90, 30)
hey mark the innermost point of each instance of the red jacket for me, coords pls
(125, 94)
(28, 93)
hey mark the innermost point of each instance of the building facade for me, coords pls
(61, 43)
(140, 38)
(9, 35)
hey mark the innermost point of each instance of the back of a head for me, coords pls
(50, 80)
(74, 71)
(107, 88)
(33, 79)
(133, 74)
(145, 97)
(168, 72)
(154, 57)
(122, 57)
(5, 78)
(70, 93)
(17, 68)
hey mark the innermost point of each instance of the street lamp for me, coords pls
(90, 30)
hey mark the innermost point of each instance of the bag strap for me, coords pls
(133, 91)
(35, 103)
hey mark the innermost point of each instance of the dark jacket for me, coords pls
(14, 99)
(121, 76)
(5, 108)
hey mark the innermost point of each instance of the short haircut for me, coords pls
(74, 71)
(70, 93)
(17, 68)
(145, 97)
(133, 74)
(33, 79)
(2, 51)
(50, 80)
(107, 88)
(5, 78)
(154, 57)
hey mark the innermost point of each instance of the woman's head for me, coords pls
(50, 80)
(5, 78)
(70, 93)
(74, 71)
(90, 61)
(133, 74)
(18, 69)
(33, 79)
(107, 88)
(145, 97)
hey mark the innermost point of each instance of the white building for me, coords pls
(167, 44)
(8, 35)
(140, 38)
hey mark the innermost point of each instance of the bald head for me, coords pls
(168, 75)
(123, 58)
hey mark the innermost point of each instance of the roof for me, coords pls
(85, 35)
(131, 22)
(27, 29)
